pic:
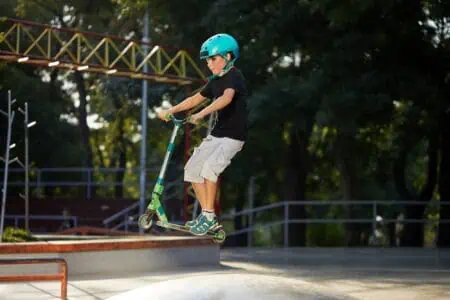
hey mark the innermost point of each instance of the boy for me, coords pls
(227, 89)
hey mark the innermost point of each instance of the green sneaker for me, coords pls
(204, 225)
(193, 222)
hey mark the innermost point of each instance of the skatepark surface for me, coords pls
(270, 273)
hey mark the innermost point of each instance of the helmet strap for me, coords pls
(228, 67)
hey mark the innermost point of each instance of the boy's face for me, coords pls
(216, 64)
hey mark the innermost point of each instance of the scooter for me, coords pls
(155, 207)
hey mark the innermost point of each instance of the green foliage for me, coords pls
(17, 235)
(326, 235)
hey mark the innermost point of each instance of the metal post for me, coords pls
(251, 196)
(286, 225)
(26, 166)
(187, 145)
(374, 217)
(38, 183)
(27, 200)
(144, 108)
(5, 176)
(89, 179)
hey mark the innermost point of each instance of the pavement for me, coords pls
(271, 273)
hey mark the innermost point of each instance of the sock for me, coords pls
(210, 215)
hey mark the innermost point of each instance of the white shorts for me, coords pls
(211, 158)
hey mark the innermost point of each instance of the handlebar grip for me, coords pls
(172, 118)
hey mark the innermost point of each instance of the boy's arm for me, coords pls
(187, 103)
(218, 104)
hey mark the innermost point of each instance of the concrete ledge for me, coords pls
(114, 256)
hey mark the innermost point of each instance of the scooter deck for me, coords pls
(185, 228)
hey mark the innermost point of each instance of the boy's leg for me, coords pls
(200, 193)
(211, 193)
(217, 161)
(209, 221)
(192, 173)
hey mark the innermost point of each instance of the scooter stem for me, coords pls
(169, 151)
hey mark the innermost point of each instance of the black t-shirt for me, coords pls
(232, 119)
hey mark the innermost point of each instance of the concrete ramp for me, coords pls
(114, 256)
(228, 287)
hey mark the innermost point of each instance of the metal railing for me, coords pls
(61, 275)
(86, 178)
(129, 214)
(286, 221)
(125, 214)
(374, 206)
(16, 218)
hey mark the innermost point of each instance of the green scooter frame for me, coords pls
(155, 207)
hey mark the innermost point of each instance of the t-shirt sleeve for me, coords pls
(233, 81)
(207, 91)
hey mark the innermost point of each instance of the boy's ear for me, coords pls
(229, 56)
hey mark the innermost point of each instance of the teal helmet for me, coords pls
(220, 44)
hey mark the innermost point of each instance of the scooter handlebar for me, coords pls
(178, 121)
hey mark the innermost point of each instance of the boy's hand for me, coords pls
(164, 115)
(195, 118)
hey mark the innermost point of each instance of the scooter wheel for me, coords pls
(145, 221)
(219, 236)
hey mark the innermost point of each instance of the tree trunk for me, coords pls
(413, 233)
(354, 231)
(240, 240)
(296, 172)
(392, 234)
(444, 184)
(82, 121)
(99, 152)
(122, 159)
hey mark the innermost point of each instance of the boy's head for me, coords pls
(220, 51)
(218, 63)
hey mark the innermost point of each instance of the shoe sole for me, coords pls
(215, 227)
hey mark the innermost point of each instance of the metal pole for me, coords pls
(89, 179)
(27, 200)
(187, 145)
(5, 176)
(38, 183)
(286, 225)
(144, 108)
(251, 196)
(374, 218)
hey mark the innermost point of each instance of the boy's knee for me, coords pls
(209, 174)
(192, 175)
(212, 169)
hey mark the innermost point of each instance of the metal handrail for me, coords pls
(285, 204)
(16, 218)
(86, 179)
(330, 202)
(125, 213)
(287, 221)
(120, 213)
(82, 169)
(61, 275)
